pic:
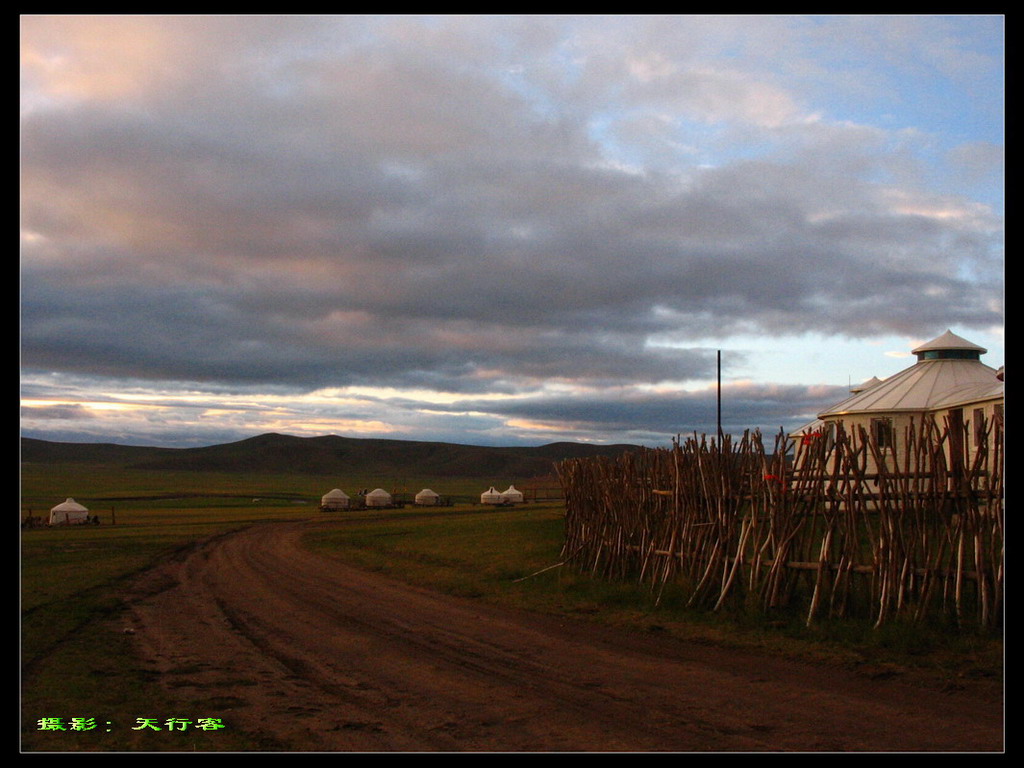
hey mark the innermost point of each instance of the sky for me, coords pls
(496, 230)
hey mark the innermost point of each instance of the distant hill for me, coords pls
(326, 455)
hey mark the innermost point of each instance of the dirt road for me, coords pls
(311, 655)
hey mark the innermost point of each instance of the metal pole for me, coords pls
(719, 397)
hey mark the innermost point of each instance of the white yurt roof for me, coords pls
(866, 385)
(337, 494)
(69, 506)
(512, 493)
(948, 340)
(490, 495)
(378, 498)
(923, 386)
(970, 393)
(426, 493)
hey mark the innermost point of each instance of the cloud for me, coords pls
(979, 161)
(744, 406)
(476, 204)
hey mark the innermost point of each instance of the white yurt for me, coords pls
(948, 382)
(944, 365)
(69, 512)
(490, 496)
(427, 498)
(336, 499)
(512, 495)
(378, 498)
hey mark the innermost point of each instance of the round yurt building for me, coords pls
(336, 499)
(69, 512)
(378, 498)
(427, 498)
(948, 383)
(490, 496)
(512, 496)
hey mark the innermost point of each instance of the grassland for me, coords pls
(72, 579)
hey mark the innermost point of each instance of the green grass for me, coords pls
(474, 551)
(76, 663)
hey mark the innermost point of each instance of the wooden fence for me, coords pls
(806, 526)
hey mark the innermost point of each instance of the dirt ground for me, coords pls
(309, 655)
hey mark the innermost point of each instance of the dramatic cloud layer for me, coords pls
(491, 229)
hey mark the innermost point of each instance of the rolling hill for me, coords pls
(329, 454)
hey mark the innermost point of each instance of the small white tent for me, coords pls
(378, 498)
(490, 496)
(69, 512)
(336, 499)
(512, 495)
(427, 497)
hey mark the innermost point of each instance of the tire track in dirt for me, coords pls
(309, 654)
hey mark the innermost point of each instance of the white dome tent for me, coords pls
(512, 495)
(378, 498)
(69, 512)
(336, 499)
(427, 498)
(490, 496)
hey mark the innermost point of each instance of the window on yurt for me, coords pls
(949, 354)
(881, 432)
(979, 425)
